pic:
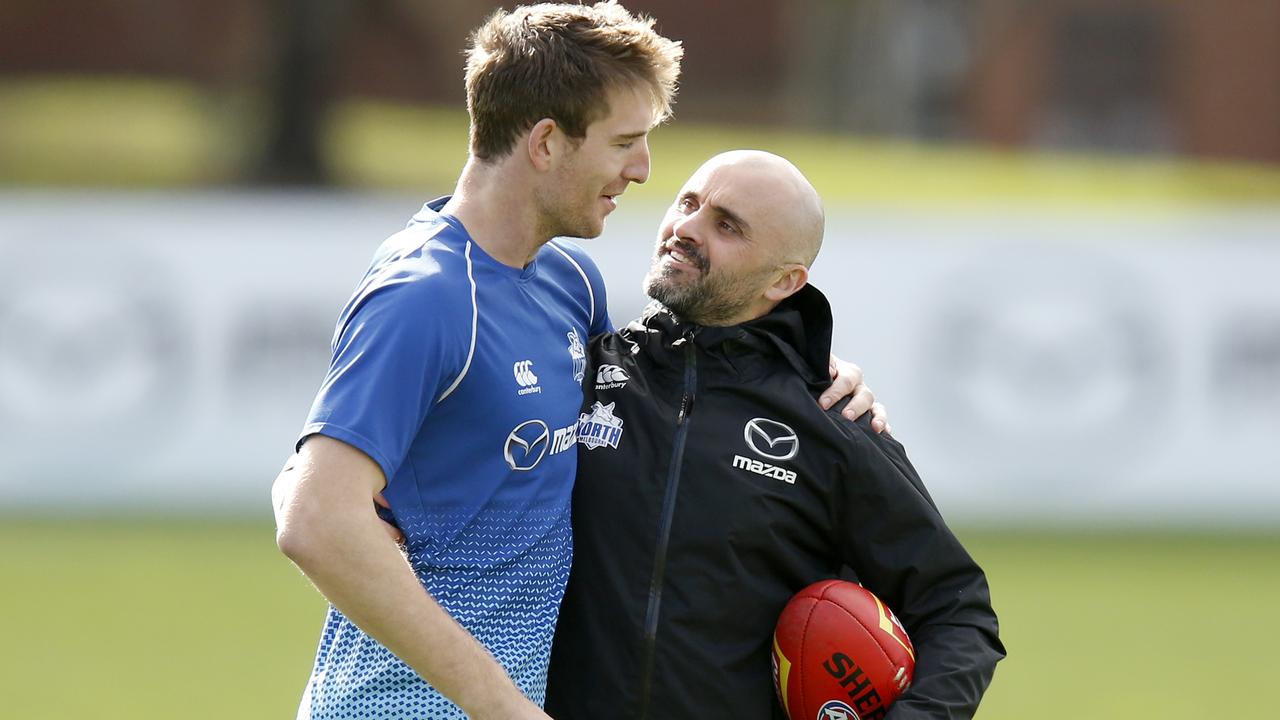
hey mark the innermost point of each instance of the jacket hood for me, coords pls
(799, 329)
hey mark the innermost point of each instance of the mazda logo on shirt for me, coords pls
(526, 445)
(771, 439)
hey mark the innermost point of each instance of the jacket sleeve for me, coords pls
(892, 535)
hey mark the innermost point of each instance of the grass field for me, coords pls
(145, 619)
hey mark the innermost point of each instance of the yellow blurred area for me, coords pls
(110, 132)
(149, 133)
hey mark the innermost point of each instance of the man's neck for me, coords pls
(496, 207)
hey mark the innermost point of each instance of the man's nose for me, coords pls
(688, 228)
(637, 167)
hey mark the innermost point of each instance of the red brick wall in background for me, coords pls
(1213, 85)
(1215, 80)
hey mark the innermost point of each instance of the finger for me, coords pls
(381, 500)
(841, 386)
(837, 367)
(845, 383)
(393, 532)
(862, 401)
(879, 417)
(847, 369)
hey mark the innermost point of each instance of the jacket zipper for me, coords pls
(664, 525)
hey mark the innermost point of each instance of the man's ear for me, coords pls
(545, 144)
(793, 277)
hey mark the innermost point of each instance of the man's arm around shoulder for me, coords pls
(325, 524)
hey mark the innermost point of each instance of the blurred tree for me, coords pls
(327, 49)
(820, 34)
(1107, 81)
(307, 34)
(884, 67)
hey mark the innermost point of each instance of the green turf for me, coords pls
(1133, 627)
(145, 619)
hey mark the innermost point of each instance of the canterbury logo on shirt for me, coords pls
(525, 378)
(611, 377)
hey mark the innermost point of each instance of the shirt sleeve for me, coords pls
(602, 323)
(396, 350)
(896, 541)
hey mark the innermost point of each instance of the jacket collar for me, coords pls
(798, 329)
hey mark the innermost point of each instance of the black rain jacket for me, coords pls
(711, 488)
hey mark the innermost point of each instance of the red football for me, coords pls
(840, 654)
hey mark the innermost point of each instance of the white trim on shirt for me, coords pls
(591, 296)
(475, 319)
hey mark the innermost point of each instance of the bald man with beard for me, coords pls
(710, 488)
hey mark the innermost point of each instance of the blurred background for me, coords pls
(1053, 244)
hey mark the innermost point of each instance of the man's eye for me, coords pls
(685, 204)
(728, 227)
(627, 145)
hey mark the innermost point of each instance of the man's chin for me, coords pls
(586, 232)
(660, 288)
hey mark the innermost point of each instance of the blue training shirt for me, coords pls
(462, 378)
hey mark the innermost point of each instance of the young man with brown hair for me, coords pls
(455, 384)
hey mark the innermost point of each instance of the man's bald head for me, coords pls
(739, 239)
(783, 192)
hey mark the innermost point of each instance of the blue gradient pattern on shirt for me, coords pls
(492, 544)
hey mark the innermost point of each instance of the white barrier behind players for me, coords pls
(161, 350)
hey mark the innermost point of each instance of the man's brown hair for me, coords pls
(559, 61)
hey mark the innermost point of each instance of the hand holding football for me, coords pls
(840, 654)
